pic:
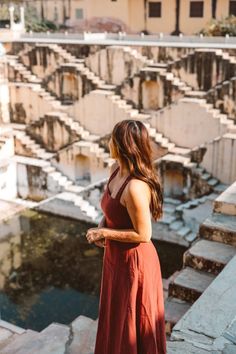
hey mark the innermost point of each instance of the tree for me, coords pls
(220, 27)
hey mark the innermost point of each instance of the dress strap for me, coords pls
(113, 175)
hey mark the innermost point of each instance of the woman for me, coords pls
(131, 309)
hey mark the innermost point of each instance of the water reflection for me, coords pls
(48, 271)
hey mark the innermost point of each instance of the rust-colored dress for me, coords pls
(131, 308)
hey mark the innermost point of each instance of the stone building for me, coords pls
(167, 16)
(58, 104)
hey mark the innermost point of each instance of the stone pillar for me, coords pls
(11, 10)
(22, 18)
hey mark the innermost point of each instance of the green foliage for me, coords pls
(32, 21)
(221, 27)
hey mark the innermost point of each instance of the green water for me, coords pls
(50, 273)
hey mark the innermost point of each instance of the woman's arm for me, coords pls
(102, 222)
(127, 235)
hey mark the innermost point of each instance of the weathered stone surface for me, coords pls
(212, 313)
(190, 284)
(51, 340)
(17, 342)
(186, 348)
(209, 256)
(219, 227)
(230, 332)
(4, 334)
(83, 335)
(226, 202)
(229, 349)
(174, 310)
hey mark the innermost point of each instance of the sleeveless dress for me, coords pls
(131, 307)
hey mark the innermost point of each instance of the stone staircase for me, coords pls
(26, 146)
(105, 58)
(165, 143)
(18, 71)
(76, 206)
(127, 108)
(219, 123)
(221, 97)
(205, 259)
(171, 88)
(70, 61)
(78, 337)
(212, 182)
(145, 61)
(224, 61)
(73, 127)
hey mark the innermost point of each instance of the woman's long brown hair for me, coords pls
(132, 143)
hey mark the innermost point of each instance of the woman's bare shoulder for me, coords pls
(136, 185)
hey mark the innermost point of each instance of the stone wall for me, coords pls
(189, 123)
(219, 158)
(69, 83)
(180, 181)
(52, 132)
(99, 111)
(80, 164)
(204, 68)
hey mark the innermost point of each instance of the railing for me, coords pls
(142, 39)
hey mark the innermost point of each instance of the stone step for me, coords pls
(17, 342)
(176, 225)
(183, 231)
(167, 219)
(5, 335)
(219, 227)
(11, 327)
(226, 202)
(220, 187)
(184, 347)
(84, 331)
(174, 310)
(172, 201)
(51, 340)
(190, 284)
(74, 189)
(168, 208)
(190, 237)
(210, 256)
(212, 182)
(206, 176)
(49, 169)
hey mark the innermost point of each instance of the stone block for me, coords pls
(226, 202)
(174, 310)
(219, 227)
(190, 284)
(209, 256)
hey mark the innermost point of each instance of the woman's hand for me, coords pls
(100, 243)
(95, 234)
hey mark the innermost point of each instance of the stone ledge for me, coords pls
(211, 316)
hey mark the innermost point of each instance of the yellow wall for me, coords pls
(107, 8)
(165, 23)
(190, 25)
(222, 9)
(136, 15)
(132, 13)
